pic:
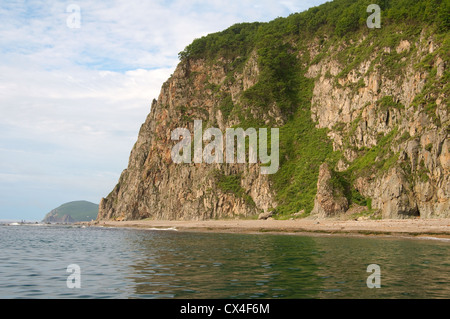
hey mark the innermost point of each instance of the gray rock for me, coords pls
(265, 216)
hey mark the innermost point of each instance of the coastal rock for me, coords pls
(53, 217)
(395, 199)
(153, 186)
(330, 201)
(264, 216)
(385, 115)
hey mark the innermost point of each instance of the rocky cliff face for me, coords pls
(384, 108)
(54, 217)
(154, 186)
(389, 115)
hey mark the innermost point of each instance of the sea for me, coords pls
(72, 262)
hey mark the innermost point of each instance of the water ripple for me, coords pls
(124, 263)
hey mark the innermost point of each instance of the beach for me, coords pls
(433, 228)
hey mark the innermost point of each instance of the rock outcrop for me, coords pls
(417, 181)
(53, 217)
(384, 110)
(330, 200)
(153, 186)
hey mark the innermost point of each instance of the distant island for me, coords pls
(72, 212)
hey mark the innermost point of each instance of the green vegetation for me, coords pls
(79, 211)
(226, 106)
(232, 184)
(236, 41)
(427, 98)
(377, 159)
(387, 102)
(303, 148)
(358, 199)
(337, 18)
(342, 184)
(423, 172)
(283, 58)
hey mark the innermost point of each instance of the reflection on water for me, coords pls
(227, 266)
(409, 268)
(119, 263)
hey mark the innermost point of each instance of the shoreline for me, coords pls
(404, 228)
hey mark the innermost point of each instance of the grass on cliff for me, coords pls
(303, 147)
(232, 184)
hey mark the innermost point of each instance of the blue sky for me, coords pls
(72, 100)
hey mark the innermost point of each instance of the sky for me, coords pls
(76, 83)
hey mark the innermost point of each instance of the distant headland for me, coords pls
(72, 212)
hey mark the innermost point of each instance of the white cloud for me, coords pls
(56, 126)
(72, 100)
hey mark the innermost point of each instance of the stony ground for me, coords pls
(438, 228)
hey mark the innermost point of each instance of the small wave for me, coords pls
(435, 238)
(170, 228)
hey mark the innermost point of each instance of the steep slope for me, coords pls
(362, 114)
(72, 212)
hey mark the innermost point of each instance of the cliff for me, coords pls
(362, 116)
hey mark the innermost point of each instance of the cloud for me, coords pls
(71, 130)
(72, 100)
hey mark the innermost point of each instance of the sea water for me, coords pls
(36, 261)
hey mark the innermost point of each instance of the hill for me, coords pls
(72, 212)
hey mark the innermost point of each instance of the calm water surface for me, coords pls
(124, 263)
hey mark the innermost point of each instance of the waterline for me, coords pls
(130, 263)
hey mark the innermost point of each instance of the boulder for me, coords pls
(265, 216)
